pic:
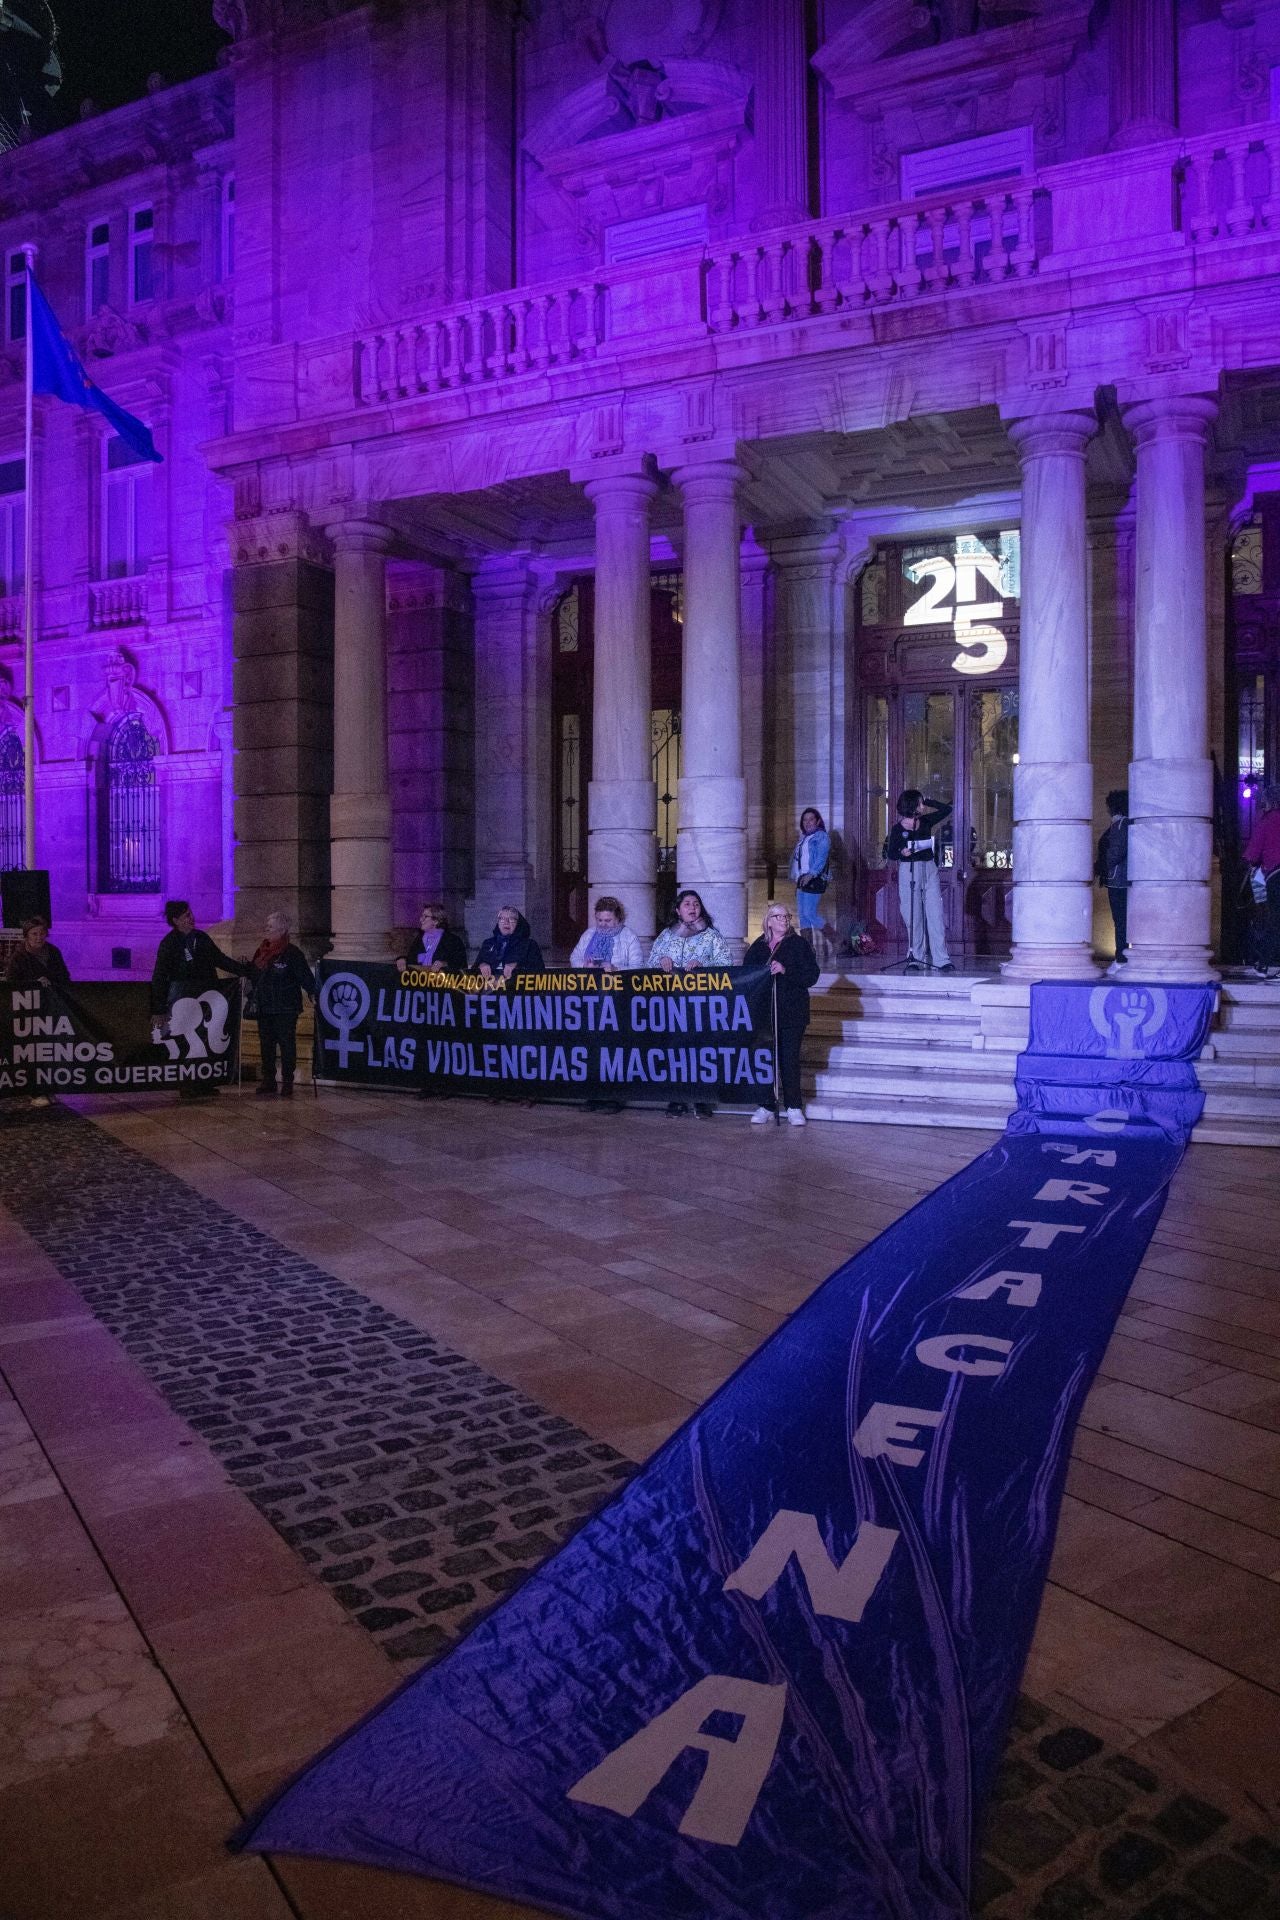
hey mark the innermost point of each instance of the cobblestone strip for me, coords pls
(417, 1486)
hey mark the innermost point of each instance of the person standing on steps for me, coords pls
(794, 968)
(1263, 852)
(811, 873)
(1112, 869)
(279, 978)
(911, 844)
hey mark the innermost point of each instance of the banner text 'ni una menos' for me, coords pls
(646, 1035)
(96, 1038)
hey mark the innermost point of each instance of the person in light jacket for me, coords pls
(811, 870)
(691, 944)
(610, 944)
(794, 967)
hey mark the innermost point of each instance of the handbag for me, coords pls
(813, 883)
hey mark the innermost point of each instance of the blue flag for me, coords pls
(56, 368)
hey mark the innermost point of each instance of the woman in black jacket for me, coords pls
(510, 948)
(437, 947)
(280, 976)
(791, 962)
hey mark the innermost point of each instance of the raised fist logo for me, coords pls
(1128, 1019)
(344, 1002)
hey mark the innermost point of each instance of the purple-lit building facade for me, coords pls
(594, 432)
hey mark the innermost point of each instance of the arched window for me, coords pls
(12, 770)
(131, 816)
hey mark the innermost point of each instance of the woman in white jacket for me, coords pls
(610, 943)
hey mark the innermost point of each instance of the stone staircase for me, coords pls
(939, 1050)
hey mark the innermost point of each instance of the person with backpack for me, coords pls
(910, 843)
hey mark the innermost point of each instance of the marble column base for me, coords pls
(622, 849)
(1170, 859)
(360, 866)
(711, 849)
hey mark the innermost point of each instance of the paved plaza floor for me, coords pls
(289, 1393)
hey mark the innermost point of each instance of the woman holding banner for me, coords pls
(437, 949)
(37, 962)
(610, 944)
(794, 967)
(510, 948)
(691, 943)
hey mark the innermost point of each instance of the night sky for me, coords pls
(108, 48)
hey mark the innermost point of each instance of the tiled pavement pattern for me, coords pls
(1151, 1805)
(1079, 1831)
(418, 1487)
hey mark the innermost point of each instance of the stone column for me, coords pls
(512, 748)
(622, 855)
(712, 842)
(360, 811)
(1171, 774)
(781, 112)
(1144, 47)
(1053, 781)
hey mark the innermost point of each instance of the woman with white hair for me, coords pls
(794, 968)
(278, 978)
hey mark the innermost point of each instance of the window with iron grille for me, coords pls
(12, 821)
(97, 267)
(131, 815)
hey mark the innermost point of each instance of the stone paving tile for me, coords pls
(417, 1486)
(1079, 1830)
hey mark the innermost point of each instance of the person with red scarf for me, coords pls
(278, 978)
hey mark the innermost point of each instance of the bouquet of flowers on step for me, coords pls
(860, 940)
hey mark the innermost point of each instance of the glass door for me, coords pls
(991, 727)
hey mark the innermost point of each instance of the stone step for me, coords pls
(954, 1032)
(871, 1049)
(949, 1084)
(881, 1110)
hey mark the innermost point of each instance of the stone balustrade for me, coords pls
(1229, 183)
(902, 252)
(525, 331)
(1217, 187)
(118, 603)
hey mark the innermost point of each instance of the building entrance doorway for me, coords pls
(937, 673)
(572, 681)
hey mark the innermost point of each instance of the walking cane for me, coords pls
(777, 1053)
(240, 1038)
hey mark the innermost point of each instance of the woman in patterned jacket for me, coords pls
(690, 944)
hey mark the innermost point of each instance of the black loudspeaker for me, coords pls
(24, 892)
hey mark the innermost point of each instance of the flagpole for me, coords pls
(28, 592)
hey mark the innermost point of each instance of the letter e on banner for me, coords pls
(885, 1429)
(735, 1770)
(839, 1592)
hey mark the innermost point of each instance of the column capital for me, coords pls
(704, 482)
(360, 534)
(638, 486)
(1039, 435)
(1174, 416)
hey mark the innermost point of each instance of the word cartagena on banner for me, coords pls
(634, 1036)
(97, 1039)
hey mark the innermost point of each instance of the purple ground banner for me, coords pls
(771, 1680)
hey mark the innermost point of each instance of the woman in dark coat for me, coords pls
(280, 976)
(794, 968)
(510, 948)
(37, 962)
(437, 947)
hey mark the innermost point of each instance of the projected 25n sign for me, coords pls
(951, 598)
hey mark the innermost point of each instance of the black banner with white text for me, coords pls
(642, 1036)
(98, 1038)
